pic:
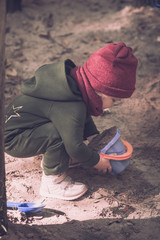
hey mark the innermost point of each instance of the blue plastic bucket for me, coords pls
(116, 146)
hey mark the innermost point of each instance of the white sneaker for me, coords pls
(61, 187)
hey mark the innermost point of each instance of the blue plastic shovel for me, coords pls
(26, 207)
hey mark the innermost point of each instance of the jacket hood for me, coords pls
(52, 82)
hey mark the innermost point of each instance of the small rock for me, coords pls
(96, 195)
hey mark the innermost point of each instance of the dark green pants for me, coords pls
(41, 140)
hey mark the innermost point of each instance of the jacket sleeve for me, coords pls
(70, 119)
(89, 128)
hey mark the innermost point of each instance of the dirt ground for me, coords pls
(116, 207)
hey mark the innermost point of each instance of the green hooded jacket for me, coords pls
(51, 95)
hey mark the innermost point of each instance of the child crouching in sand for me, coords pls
(52, 116)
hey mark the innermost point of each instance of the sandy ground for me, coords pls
(116, 207)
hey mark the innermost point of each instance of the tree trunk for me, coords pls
(3, 209)
(13, 5)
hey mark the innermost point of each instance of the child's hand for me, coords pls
(103, 165)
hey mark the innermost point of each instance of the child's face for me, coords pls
(108, 101)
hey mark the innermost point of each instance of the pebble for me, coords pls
(96, 195)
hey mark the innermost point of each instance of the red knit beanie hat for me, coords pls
(111, 70)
